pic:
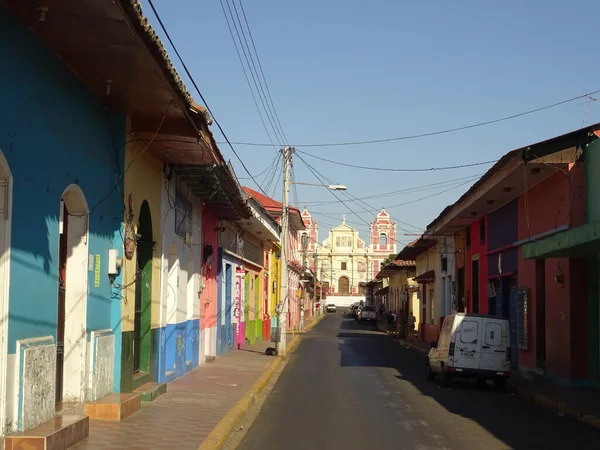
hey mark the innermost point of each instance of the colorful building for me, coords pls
(61, 218)
(242, 291)
(530, 256)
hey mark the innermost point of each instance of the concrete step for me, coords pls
(59, 433)
(114, 407)
(151, 391)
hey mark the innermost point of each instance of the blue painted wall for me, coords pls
(221, 332)
(53, 133)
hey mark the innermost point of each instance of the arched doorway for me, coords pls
(5, 221)
(143, 292)
(72, 295)
(344, 286)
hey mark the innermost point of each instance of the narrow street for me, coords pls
(349, 387)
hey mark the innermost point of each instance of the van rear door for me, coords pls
(467, 342)
(495, 345)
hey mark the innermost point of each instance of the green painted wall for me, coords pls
(592, 180)
(258, 319)
(250, 330)
(593, 319)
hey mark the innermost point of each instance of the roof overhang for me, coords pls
(395, 267)
(261, 224)
(111, 47)
(215, 186)
(513, 174)
(426, 277)
(414, 249)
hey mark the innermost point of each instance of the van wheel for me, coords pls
(447, 382)
(430, 374)
(500, 383)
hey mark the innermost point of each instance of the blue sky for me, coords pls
(348, 70)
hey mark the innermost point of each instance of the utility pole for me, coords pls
(285, 228)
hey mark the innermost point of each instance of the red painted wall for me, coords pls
(208, 305)
(556, 201)
(477, 248)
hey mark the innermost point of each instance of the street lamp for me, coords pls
(331, 187)
(285, 225)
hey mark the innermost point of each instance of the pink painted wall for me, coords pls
(558, 200)
(208, 310)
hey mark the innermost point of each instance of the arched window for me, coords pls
(383, 240)
(344, 286)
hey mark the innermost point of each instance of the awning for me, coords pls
(382, 291)
(576, 242)
(414, 249)
(426, 277)
(394, 267)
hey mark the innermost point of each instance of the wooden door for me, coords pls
(62, 285)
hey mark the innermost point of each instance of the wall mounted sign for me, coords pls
(129, 241)
(97, 272)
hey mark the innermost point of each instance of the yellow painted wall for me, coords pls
(426, 261)
(143, 179)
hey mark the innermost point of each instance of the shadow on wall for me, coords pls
(501, 414)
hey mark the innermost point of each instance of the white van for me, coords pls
(471, 346)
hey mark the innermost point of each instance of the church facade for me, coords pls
(343, 260)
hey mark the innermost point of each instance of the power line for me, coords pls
(264, 171)
(432, 133)
(200, 94)
(250, 63)
(435, 194)
(424, 187)
(246, 76)
(314, 172)
(261, 70)
(355, 199)
(389, 169)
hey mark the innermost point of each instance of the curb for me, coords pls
(556, 406)
(541, 400)
(219, 434)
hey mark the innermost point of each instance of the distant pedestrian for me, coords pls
(411, 325)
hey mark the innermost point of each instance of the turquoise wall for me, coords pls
(53, 133)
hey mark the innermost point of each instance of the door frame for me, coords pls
(146, 229)
(5, 283)
(76, 294)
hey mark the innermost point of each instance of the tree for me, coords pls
(389, 259)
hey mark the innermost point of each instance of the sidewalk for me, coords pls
(579, 404)
(192, 407)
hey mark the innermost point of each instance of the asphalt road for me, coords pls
(349, 387)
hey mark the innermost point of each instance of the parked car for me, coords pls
(368, 314)
(331, 308)
(471, 346)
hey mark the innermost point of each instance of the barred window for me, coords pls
(183, 215)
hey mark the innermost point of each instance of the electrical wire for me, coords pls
(432, 133)
(248, 59)
(185, 68)
(352, 198)
(315, 174)
(391, 169)
(246, 76)
(411, 190)
(261, 69)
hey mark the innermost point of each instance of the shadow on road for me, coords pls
(518, 423)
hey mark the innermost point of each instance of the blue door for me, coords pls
(220, 312)
(228, 306)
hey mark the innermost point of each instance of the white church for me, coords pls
(344, 260)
